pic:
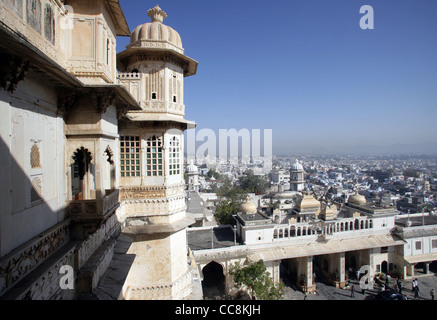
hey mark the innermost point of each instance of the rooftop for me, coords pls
(416, 220)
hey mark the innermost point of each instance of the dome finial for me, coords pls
(157, 14)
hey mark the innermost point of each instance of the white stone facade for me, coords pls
(66, 190)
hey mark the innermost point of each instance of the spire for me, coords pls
(157, 14)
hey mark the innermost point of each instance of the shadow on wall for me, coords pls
(30, 258)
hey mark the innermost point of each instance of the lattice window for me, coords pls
(130, 156)
(174, 156)
(35, 157)
(154, 156)
(36, 190)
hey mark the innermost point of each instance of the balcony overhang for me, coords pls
(118, 18)
(136, 116)
(135, 54)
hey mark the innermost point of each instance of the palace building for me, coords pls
(93, 187)
(91, 146)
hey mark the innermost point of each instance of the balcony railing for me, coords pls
(325, 229)
(94, 208)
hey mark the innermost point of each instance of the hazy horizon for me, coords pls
(306, 70)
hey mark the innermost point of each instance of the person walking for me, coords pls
(416, 292)
(432, 292)
(399, 283)
(413, 285)
(352, 292)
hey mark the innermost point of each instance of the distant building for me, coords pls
(296, 177)
(192, 180)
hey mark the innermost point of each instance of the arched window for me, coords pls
(80, 170)
(49, 23)
(35, 158)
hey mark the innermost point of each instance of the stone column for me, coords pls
(305, 272)
(337, 265)
(426, 268)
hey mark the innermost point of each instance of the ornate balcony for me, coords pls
(93, 209)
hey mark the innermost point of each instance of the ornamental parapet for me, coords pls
(151, 192)
(21, 261)
(93, 208)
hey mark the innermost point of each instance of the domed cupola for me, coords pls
(157, 41)
(155, 31)
(357, 199)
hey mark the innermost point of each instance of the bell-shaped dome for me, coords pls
(248, 207)
(155, 30)
(308, 202)
(296, 166)
(192, 167)
(357, 199)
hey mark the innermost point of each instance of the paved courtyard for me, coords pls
(328, 292)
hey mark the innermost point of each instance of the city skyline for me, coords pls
(308, 71)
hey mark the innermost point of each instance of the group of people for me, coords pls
(414, 289)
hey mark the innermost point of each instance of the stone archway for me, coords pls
(213, 284)
(80, 169)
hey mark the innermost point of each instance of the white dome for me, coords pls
(296, 166)
(156, 30)
(192, 167)
(248, 207)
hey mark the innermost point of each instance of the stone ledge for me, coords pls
(89, 275)
(138, 226)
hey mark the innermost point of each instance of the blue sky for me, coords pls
(307, 70)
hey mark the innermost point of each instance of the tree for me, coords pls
(230, 199)
(253, 183)
(212, 173)
(255, 277)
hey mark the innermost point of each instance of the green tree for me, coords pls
(212, 173)
(230, 199)
(255, 277)
(253, 183)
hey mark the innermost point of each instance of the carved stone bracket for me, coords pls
(103, 100)
(66, 100)
(13, 69)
